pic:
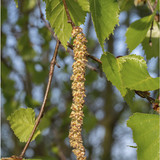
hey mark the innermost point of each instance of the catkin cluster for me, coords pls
(78, 92)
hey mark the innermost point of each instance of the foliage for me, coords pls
(22, 122)
(152, 50)
(137, 31)
(146, 135)
(105, 17)
(27, 47)
(128, 72)
(57, 17)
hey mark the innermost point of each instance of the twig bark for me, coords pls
(53, 63)
(150, 6)
(150, 37)
(155, 4)
(145, 94)
(68, 15)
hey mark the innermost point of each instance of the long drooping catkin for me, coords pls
(78, 92)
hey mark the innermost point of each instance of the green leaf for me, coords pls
(84, 4)
(136, 105)
(129, 98)
(111, 67)
(146, 135)
(135, 75)
(125, 5)
(22, 122)
(152, 50)
(137, 31)
(57, 17)
(105, 17)
(128, 72)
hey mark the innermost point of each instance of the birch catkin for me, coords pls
(78, 92)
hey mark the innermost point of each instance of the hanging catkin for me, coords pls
(78, 92)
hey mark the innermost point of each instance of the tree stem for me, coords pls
(53, 62)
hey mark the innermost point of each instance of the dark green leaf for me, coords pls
(84, 4)
(57, 17)
(125, 5)
(152, 50)
(105, 17)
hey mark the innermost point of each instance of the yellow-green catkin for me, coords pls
(78, 92)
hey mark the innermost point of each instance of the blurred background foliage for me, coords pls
(27, 47)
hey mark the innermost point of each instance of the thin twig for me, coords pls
(150, 6)
(90, 56)
(87, 65)
(150, 37)
(53, 62)
(95, 58)
(67, 13)
(145, 94)
(155, 4)
(46, 24)
(54, 36)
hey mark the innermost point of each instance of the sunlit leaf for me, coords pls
(128, 72)
(22, 122)
(84, 4)
(57, 17)
(137, 31)
(135, 75)
(146, 135)
(105, 16)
